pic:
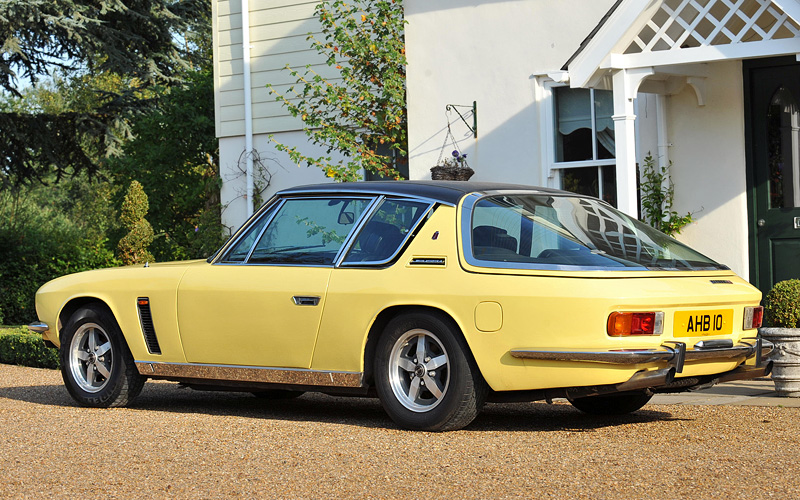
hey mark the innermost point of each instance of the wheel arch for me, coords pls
(74, 304)
(385, 316)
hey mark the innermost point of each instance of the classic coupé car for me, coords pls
(439, 295)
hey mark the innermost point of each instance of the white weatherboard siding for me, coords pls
(278, 32)
(708, 170)
(463, 51)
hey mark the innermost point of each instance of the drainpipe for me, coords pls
(661, 128)
(248, 105)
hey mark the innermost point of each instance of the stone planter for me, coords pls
(786, 358)
(451, 173)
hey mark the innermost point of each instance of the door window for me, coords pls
(308, 231)
(783, 138)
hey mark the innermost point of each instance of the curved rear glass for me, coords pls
(555, 232)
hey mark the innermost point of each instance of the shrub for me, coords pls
(782, 307)
(20, 347)
(39, 241)
(133, 246)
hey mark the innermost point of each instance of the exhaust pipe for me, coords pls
(746, 372)
(640, 380)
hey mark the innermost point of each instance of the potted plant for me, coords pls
(782, 317)
(454, 168)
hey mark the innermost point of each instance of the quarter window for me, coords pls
(386, 230)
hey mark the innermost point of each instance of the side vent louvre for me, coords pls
(146, 320)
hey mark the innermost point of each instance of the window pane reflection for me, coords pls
(783, 153)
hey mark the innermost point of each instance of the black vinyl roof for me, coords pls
(442, 191)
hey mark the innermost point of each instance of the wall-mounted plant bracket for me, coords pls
(474, 107)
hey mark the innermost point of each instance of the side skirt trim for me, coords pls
(288, 376)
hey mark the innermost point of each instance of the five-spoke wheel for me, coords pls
(97, 367)
(418, 370)
(91, 357)
(424, 374)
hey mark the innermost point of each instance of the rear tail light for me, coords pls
(753, 316)
(622, 324)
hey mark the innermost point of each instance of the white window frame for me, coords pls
(547, 101)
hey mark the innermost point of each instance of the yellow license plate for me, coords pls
(701, 323)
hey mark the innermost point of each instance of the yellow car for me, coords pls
(437, 296)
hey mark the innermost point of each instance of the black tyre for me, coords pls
(425, 376)
(277, 394)
(96, 364)
(613, 404)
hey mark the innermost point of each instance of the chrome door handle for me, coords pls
(305, 300)
(761, 223)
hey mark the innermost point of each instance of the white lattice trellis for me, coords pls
(701, 23)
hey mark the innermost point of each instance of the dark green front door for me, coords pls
(774, 165)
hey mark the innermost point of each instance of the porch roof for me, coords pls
(672, 38)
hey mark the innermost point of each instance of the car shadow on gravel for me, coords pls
(362, 412)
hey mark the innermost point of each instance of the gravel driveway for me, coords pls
(179, 443)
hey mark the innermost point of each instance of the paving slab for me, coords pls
(755, 392)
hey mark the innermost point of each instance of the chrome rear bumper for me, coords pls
(673, 352)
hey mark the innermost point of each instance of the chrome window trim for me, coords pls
(467, 208)
(270, 218)
(365, 216)
(373, 193)
(402, 244)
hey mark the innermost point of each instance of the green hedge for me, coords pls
(18, 346)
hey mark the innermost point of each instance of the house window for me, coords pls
(583, 148)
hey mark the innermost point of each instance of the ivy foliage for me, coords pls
(658, 194)
(361, 113)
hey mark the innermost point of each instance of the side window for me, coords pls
(308, 231)
(386, 230)
(240, 250)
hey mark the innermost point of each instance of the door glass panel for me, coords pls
(308, 231)
(783, 160)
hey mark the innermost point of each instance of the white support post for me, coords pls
(626, 85)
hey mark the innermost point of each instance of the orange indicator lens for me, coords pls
(621, 324)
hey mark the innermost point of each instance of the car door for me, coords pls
(260, 304)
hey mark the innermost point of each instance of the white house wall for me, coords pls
(487, 51)
(708, 156)
(276, 172)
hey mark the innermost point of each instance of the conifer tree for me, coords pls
(133, 247)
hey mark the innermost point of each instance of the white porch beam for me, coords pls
(745, 50)
(626, 85)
